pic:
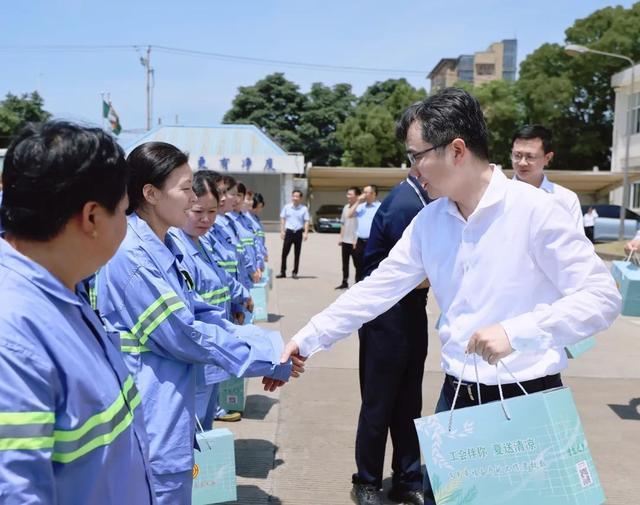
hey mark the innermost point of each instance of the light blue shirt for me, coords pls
(365, 213)
(294, 217)
(71, 424)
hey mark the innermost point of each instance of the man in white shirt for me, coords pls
(294, 228)
(589, 223)
(348, 234)
(515, 279)
(531, 153)
(367, 208)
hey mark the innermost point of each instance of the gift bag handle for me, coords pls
(633, 254)
(475, 365)
(198, 425)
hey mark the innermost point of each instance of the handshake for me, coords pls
(290, 352)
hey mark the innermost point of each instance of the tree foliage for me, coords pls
(16, 111)
(326, 109)
(573, 95)
(275, 104)
(368, 135)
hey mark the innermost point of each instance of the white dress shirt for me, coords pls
(565, 197)
(518, 260)
(589, 219)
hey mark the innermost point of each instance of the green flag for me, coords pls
(109, 113)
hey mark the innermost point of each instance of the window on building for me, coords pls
(634, 110)
(485, 69)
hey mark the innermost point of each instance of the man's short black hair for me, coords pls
(535, 131)
(355, 189)
(445, 116)
(50, 173)
(151, 163)
(298, 191)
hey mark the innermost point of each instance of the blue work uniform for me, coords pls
(71, 428)
(216, 287)
(247, 237)
(146, 293)
(259, 232)
(226, 255)
(244, 255)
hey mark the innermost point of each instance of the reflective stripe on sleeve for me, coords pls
(26, 430)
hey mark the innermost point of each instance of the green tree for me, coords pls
(573, 95)
(326, 109)
(504, 112)
(275, 104)
(368, 135)
(17, 111)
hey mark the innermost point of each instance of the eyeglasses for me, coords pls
(413, 157)
(527, 158)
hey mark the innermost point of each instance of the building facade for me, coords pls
(626, 127)
(497, 62)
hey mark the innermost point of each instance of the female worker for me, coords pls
(146, 292)
(214, 284)
(71, 428)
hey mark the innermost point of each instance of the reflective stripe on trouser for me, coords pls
(134, 341)
(100, 429)
(26, 430)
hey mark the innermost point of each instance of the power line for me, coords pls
(210, 55)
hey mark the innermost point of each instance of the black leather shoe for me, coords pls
(294, 275)
(365, 494)
(281, 275)
(407, 497)
(344, 285)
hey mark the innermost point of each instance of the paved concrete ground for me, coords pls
(296, 446)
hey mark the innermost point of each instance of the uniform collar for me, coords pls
(35, 273)
(190, 247)
(493, 195)
(164, 253)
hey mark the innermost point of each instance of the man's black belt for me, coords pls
(470, 389)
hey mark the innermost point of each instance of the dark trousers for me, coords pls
(295, 238)
(468, 397)
(347, 254)
(393, 348)
(588, 231)
(358, 258)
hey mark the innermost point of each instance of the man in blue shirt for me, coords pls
(393, 348)
(294, 228)
(364, 212)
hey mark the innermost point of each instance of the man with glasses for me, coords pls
(531, 153)
(514, 278)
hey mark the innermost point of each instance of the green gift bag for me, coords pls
(579, 348)
(214, 470)
(627, 277)
(528, 450)
(232, 394)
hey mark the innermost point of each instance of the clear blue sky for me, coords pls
(376, 33)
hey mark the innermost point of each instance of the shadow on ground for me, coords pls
(258, 406)
(255, 458)
(253, 495)
(274, 318)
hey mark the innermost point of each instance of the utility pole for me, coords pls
(146, 63)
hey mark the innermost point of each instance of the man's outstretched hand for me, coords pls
(291, 352)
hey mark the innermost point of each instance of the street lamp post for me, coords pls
(575, 49)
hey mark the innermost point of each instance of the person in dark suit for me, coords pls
(393, 349)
